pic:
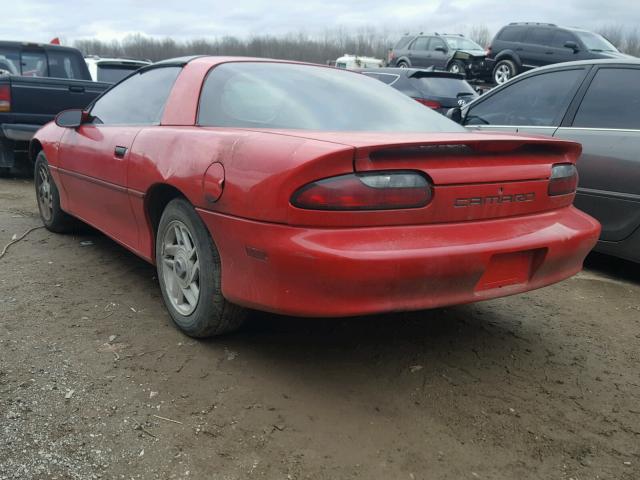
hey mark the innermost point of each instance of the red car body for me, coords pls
(490, 229)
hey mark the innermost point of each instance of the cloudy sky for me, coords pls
(41, 20)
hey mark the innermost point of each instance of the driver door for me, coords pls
(94, 157)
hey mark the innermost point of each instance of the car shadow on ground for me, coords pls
(613, 267)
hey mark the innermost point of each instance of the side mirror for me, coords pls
(572, 45)
(72, 118)
(455, 114)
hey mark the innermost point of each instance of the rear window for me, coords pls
(387, 78)
(66, 65)
(403, 42)
(443, 86)
(10, 61)
(114, 73)
(512, 34)
(304, 97)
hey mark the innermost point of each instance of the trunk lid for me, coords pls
(475, 176)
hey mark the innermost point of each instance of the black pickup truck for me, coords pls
(37, 81)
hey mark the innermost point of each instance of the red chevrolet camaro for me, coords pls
(306, 190)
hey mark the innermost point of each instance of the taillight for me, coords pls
(5, 98)
(428, 103)
(365, 191)
(563, 180)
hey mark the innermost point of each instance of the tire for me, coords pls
(458, 67)
(504, 71)
(189, 273)
(48, 199)
(403, 64)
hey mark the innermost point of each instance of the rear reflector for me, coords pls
(365, 191)
(5, 98)
(428, 103)
(564, 179)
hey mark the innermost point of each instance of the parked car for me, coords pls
(112, 70)
(246, 191)
(596, 103)
(519, 47)
(437, 90)
(351, 62)
(36, 82)
(454, 53)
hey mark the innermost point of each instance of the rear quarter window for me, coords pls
(512, 34)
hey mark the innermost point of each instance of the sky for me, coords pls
(41, 20)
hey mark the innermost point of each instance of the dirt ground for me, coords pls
(95, 382)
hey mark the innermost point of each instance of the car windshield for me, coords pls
(291, 96)
(595, 42)
(461, 43)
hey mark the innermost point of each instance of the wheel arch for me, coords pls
(509, 55)
(156, 199)
(35, 147)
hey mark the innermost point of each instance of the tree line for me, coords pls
(300, 46)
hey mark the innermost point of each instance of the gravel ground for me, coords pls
(95, 382)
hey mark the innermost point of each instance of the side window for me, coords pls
(65, 65)
(612, 101)
(420, 43)
(139, 100)
(34, 64)
(512, 34)
(539, 100)
(437, 42)
(539, 36)
(560, 37)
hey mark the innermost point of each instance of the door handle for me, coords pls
(119, 151)
(76, 89)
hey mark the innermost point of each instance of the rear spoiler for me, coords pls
(431, 72)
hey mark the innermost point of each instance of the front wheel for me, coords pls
(51, 214)
(504, 71)
(457, 67)
(189, 273)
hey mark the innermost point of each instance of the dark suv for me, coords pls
(451, 52)
(522, 46)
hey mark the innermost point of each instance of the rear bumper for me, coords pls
(355, 271)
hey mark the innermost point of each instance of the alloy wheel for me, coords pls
(503, 73)
(181, 268)
(45, 196)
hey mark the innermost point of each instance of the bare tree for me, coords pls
(480, 34)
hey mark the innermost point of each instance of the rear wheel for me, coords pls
(457, 67)
(51, 214)
(189, 272)
(504, 71)
(403, 64)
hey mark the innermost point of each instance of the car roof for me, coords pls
(48, 46)
(579, 63)
(547, 25)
